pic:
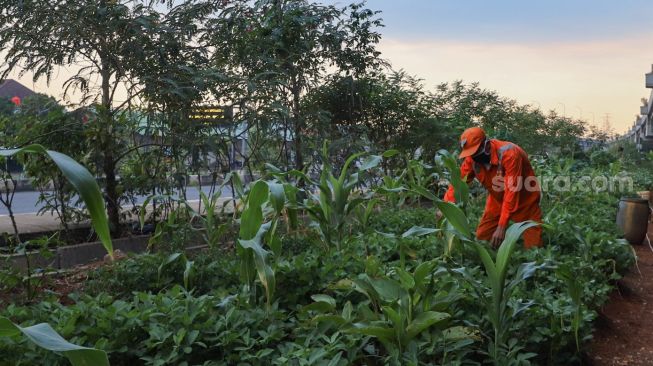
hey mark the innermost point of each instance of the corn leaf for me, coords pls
(45, 337)
(456, 217)
(85, 185)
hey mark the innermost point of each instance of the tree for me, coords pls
(121, 43)
(42, 120)
(386, 111)
(283, 49)
(6, 107)
(464, 105)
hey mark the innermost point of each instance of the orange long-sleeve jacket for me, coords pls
(509, 180)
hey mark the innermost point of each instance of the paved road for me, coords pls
(26, 202)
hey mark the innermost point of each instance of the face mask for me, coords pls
(482, 158)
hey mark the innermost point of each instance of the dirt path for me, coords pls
(624, 329)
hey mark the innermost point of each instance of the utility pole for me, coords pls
(606, 123)
(581, 111)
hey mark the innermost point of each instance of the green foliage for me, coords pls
(391, 220)
(187, 264)
(254, 232)
(299, 72)
(498, 310)
(155, 272)
(412, 180)
(45, 337)
(399, 311)
(575, 293)
(42, 120)
(156, 329)
(390, 110)
(282, 334)
(338, 199)
(211, 227)
(85, 185)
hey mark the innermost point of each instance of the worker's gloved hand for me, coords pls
(498, 236)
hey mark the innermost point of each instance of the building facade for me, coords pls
(641, 132)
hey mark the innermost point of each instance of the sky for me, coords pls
(582, 58)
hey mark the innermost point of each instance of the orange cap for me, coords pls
(470, 140)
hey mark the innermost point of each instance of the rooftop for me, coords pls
(11, 88)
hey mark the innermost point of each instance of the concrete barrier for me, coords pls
(73, 255)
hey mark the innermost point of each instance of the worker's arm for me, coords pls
(466, 173)
(512, 174)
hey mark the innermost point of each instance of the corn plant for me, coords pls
(363, 213)
(415, 177)
(254, 233)
(499, 313)
(497, 309)
(84, 184)
(461, 188)
(337, 201)
(45, 337)
(186, 263)
(454, 222)
(397, 311)
(412, 232)
(392, 188)
(177, 225)
(238, 189)
(420, 174)
(208, 224)
(575, 291)
(291, 192)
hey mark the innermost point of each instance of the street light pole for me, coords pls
(581, 111)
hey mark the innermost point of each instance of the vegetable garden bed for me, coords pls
(372, 280)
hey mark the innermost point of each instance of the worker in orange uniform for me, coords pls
(504, 170)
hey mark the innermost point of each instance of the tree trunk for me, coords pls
(299, 158)
(111, 188)
(61, 197)
(109, 163)
(8, 204)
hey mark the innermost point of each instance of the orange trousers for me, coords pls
(490, 220)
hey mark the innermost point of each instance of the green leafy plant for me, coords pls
(364, 212)
(187, 264)
(45, 337)
(498, 311)
(173, 233)
(85, 185)
(412, 232)
(409, 183)
(337, 200)
(454, 223)
(397, 312)
(461, 188)
(253, 257)
(575, 292)
(212, 229)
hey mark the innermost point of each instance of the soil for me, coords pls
(624, 330)
(59, 284)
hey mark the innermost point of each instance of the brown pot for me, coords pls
(632, 219)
